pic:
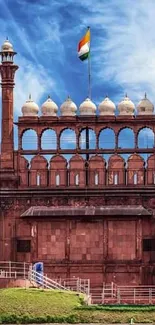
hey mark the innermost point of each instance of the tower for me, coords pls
(7, 70)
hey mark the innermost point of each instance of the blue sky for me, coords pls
(46, 33)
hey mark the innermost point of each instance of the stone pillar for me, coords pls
(7, 71)
(139, 239)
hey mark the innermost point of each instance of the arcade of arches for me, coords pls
(79, 192)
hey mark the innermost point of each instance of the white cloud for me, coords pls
(124, 51)
(30, 80)
(33, 75)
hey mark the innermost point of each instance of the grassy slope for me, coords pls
(32, 305)
(37, 302)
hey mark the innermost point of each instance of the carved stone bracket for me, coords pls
(5, 204)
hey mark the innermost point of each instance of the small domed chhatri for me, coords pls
(49, 108)
(7, 46)
(126, 106)
(87, 107)
(68, 108)
(107, 107)
(30, 108)
(145, 107)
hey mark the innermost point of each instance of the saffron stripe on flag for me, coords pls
(85, 39)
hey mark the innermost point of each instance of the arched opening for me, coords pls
(87, 139)
(146, 138)
(107, 139)
(126, 139)
(49, 140)
(116, 170)
(57, 180)
(135, 170)
(68, 139)
(38, 174)
(30, 140)
(96, 178)
(58, 171)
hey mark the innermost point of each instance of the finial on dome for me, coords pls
(30, 108)
(126, 95)
(145, 107)
(87, 107)
(107, 107)
(68, 108)
(49, 107)
(7, 48)
(126, 106)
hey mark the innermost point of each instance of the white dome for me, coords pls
(145, 107)
(107, 107)
(7, 46)
(126, 106)
(30, 108)
(49, 108)
(87, 107)
(68, 108)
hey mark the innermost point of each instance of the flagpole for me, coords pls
(89, 73)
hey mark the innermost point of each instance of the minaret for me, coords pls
(7, 70)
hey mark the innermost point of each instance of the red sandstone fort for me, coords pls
(85, 215)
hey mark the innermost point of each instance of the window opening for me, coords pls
(77, 179)
(135, 178)
(96, 179)
(115, 179)
(154, 178)
(57, 180)
(38, 179)
(23, 246)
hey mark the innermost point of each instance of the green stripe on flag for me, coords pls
(84, 56)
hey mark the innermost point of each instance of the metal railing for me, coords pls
(76, 284)
(109, 293)
(136, 294)
(70, 284)
(9, 269)
(22, 270)
(42, 280)
(115, 294)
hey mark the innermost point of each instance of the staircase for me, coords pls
(16, 272)
(22, 274)
(43, 281)
(96, 295)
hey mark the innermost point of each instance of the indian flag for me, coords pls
(84, 46)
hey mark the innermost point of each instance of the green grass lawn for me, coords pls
(38, 306)
(37, 302)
